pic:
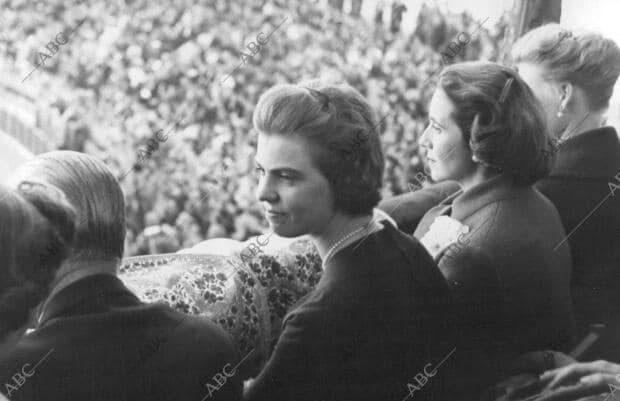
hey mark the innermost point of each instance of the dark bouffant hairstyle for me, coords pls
(37, 227)
(500, 118)
(342, 129)
(586, 59)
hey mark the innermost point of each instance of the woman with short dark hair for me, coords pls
(573, 75)
(493, 240)
(346, 149)
(375, 317)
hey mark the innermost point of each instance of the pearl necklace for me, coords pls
(340, 244)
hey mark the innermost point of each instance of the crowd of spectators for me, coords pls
(134, 66)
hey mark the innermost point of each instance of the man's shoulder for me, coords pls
(153, 339)
(189, 327)
(100, 336)
(195, 343)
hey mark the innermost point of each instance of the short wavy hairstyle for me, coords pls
(37, 228)
(342, 129)
(500, 118)
(93, 191)
(586, 59)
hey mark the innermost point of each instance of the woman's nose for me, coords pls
(424, 142)
(265, 191)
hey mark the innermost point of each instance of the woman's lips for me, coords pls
(275, 215)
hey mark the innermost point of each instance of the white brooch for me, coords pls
(443, 232)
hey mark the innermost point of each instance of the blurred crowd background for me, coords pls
(136, 66)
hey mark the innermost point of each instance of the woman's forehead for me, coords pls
(440, 106)
(279, 151)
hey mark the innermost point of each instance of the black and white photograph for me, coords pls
(321, 200)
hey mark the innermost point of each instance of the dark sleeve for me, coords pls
(409, 208)
(232, 390)
(474, 283)
(475, 289)
(294, 369)
(205, 357)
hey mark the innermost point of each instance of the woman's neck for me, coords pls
(585, 120)
(480, 175)
(339, 227)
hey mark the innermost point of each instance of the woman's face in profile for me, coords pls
(447, 155)
(297, 197)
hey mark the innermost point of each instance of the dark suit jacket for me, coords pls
(104, 344)
(510, 286)
(579, 187)
(374, 321)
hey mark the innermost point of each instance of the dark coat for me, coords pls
(102, 343)
(579, 187)
(408, 209)
(374, 321)
(511, 288)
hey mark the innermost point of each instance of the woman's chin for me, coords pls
(439, 175)
(436, 176)
(279, 229)
(286, 230)
(284, 233)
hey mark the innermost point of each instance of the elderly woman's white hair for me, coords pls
(93, 191)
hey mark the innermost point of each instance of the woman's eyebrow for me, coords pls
(286, 170)
(431, 119)
(280, 169)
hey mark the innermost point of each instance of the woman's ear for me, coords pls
(567, 92)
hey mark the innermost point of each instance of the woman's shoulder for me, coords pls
(404, 261)
(508, 227)
(500, 221)
(503, 233)
(441, 232)
(513, 216)
(529, 219)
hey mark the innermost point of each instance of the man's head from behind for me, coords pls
(93, 191)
